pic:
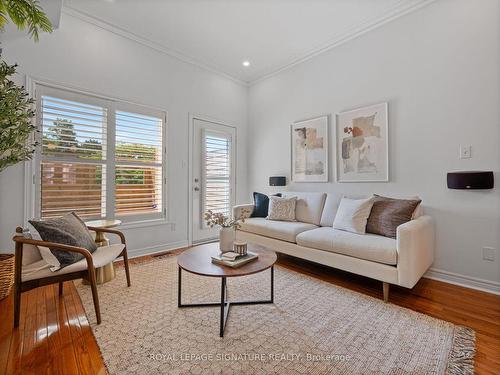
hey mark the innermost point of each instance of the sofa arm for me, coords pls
(415, 245)
(238, 209)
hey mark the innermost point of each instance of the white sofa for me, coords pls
(401, 261)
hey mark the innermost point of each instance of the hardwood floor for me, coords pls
(54, 336)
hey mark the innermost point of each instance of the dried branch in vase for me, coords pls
(218, 219)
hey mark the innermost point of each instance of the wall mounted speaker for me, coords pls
(470, 180)
(277, 181)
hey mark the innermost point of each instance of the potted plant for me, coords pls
(16, 108)
(227, 227)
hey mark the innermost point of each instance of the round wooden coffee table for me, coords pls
(198, 260)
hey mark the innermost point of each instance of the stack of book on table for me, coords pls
(232, 259)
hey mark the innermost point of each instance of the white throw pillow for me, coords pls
(282, 209)
(352, 215)
(45, 252)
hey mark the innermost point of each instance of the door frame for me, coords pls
(191, 118)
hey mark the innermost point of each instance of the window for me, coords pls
(100, 158)
(138, 168)
(217, 167)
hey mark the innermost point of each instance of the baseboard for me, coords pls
(151, 250)
(462, 280)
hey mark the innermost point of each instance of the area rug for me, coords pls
(313, 327)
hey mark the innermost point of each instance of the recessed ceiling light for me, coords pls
(246, 63)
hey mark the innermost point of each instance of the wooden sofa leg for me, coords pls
(61, 288)
(385, 287)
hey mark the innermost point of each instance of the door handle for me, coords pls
(196, 188)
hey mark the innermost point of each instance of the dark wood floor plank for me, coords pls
(30, 334)
(42, 339)
(14, 362)
(6, 312)
(67, 349)
(82, 355)
(62, 358)
(86, 334)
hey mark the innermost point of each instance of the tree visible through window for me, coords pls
(75, 161)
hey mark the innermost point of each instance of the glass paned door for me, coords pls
(213, 175)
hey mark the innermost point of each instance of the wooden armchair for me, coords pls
(83, 269)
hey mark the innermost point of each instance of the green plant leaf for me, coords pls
(16, 120)
(25, 13)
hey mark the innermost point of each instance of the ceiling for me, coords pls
(221, 34)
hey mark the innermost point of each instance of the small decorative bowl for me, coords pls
(240, 248)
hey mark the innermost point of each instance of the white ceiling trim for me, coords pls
(146, 42)
(401, 8)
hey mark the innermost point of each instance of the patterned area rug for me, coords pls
(313, 327)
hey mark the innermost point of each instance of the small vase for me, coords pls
(226, 239)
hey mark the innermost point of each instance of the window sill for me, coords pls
(143, 224)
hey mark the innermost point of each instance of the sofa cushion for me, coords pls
(261, 204)
(364, 246)
(352, 215)
(389, 213)
(309, 206)
(332, 202)
(282, 209)
(281, 230)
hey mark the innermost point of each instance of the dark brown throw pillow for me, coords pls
(388, 213)
(67, 230)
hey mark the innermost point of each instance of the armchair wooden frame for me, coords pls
(88, 274)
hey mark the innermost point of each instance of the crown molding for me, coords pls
(402, 8)
(70, 11)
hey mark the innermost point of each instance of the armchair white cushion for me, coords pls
(40, 269)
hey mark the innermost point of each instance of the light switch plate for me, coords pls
(465, 152)
(489, 254)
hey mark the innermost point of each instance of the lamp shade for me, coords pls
(470, 180)
(277, 181)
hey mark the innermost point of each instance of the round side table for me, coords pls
(106, 273)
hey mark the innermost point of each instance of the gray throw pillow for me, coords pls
(67, 230)
(389, 213)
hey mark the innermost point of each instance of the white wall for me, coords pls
(439, 70)
(87, 57)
